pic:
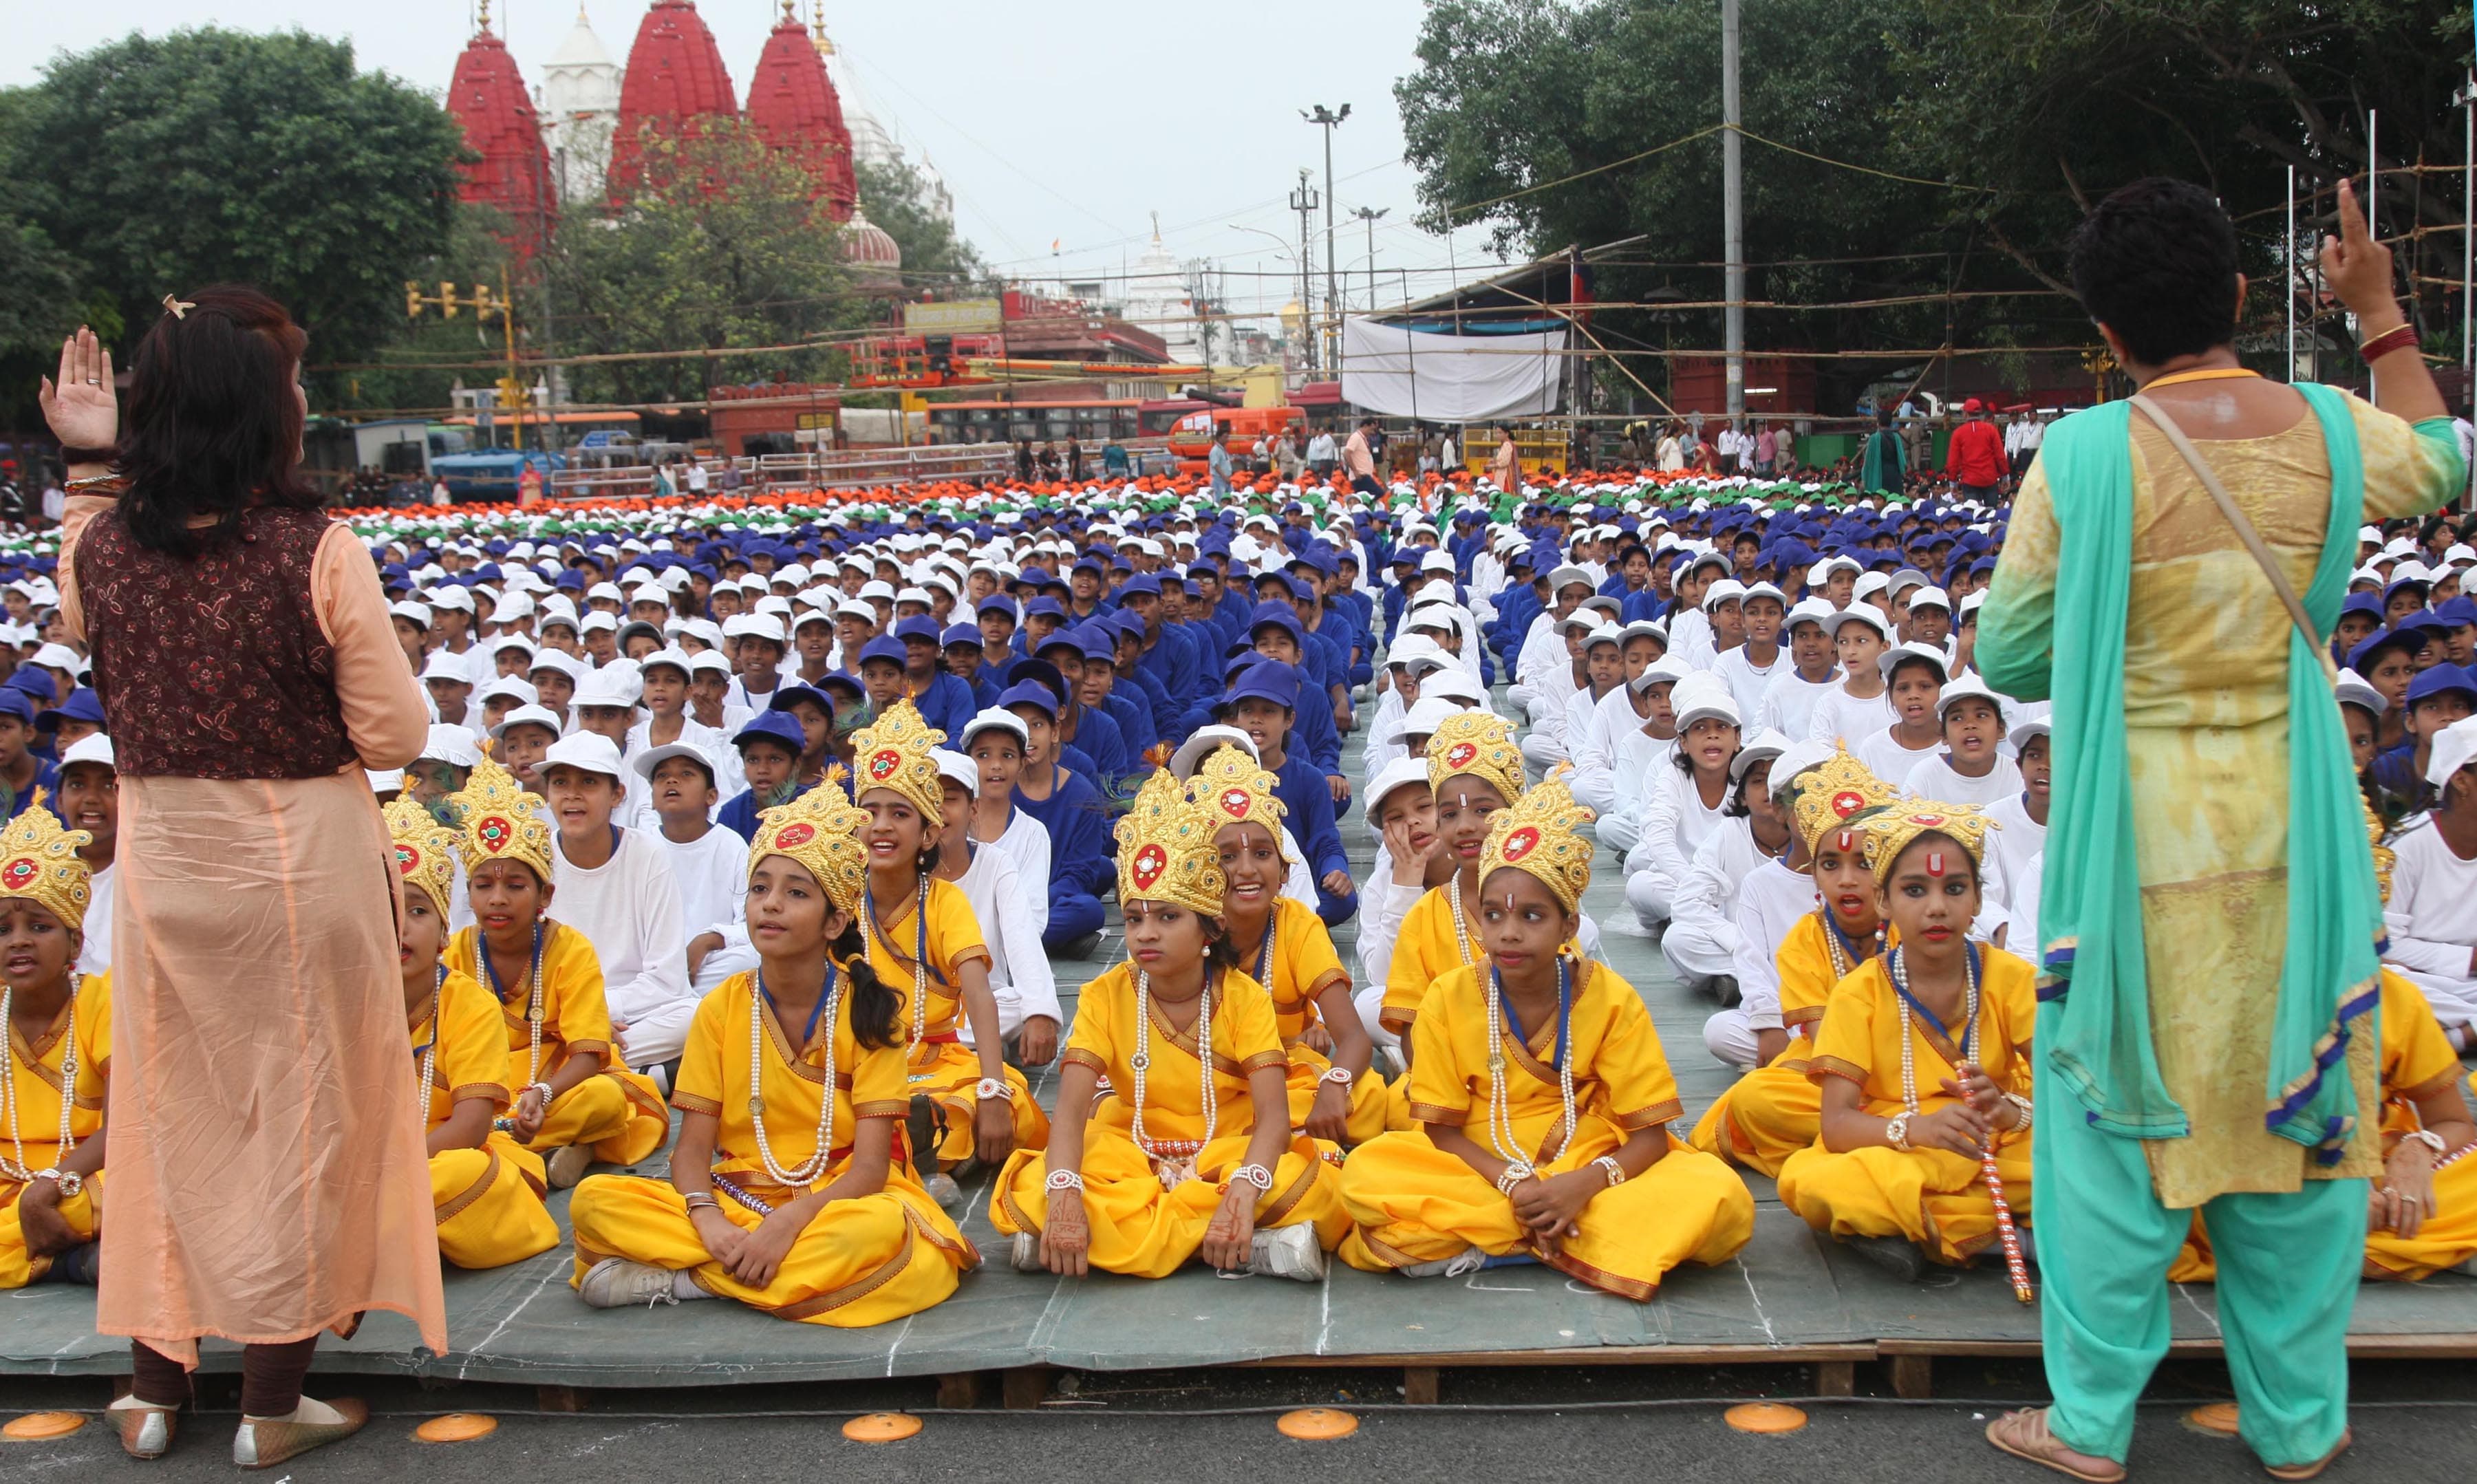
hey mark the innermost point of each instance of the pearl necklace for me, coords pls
(1500, 1098)
(17, 1169)
(1173, 1159)
(428, 1069)
(532, 1002)
(802, 1176)
(2015, 1266)
(1462, 927)
(1841, 947)
(919, 953)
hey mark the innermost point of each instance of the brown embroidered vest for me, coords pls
(213, 666)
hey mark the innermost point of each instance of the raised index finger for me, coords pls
(2352, 218)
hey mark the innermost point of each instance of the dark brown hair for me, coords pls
(213, 425)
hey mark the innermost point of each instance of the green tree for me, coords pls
(159, 165)
(896, 198)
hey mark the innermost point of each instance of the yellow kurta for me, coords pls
(2206, 735)
(941, 1066)
(1301, 966)
(1933, 1196)
(2416, 1062)
(1424, 951)
(1414, 1202)
(620, 1114)
(1139, 1227)
(34, 1067)
(488, 1201)
(1775, 1111)
(864, 1259)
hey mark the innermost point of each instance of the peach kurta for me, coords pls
(268, 1179)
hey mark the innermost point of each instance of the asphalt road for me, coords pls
(2414, 1423)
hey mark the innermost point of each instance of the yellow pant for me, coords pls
(1139, 1228)
(1772, 1113)
(949, 1073)
(488, 1204)
(1373, 1106)
(1416, 1204)
(620, 1114)
(2446, 1239)
(861, 1261)
(16, 1267)
(1934, 1197)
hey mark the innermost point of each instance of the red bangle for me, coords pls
(2397, 337)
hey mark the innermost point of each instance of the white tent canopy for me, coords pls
(1451, 378)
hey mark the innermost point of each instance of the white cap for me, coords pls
(1867, 613)
(1726, 590)
(2454, 749)
(1418, 651)
(1798, 758)
(676, 658)
(451, 745)
(1422, 720)
(521, 691)
(1964, 687)
(613, 684)
(1566, 576)
(1814, 611)
(590, 751)
(452, 597)
(1703, 696)
(1645, 627)
(2355, 690)
(1603, 634)
(1869, 583)
(754, 626)
(1914, 650)
(1668, 666)
(417, 613)
(561, 661)
(442, 666)
(1930, 597)
(955, 767)
(1766, 590)
(507, 641)
(1584, 618)
(1764, 746)
(1454, 684)
(385, 781)
(93, 747)
(646, 762)
(1203, 743)
(523, 716)
(2029, 727)
(1393, 775)
(993, 719)
(1439, 560)
(708, 659)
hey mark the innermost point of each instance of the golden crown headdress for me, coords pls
(425, 850)
(1478, 743)
(1232, 788)
(1541, 836)
(40, 863)
(1891, 832)
(820, 829)
(899, 751)
(1165, 849)
(1836, 795)
(497, 820)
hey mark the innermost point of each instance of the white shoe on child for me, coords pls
(617, 1283)
(1468, 1260)
(1286, 1252)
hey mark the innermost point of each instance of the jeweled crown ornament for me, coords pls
(1165, 849)
(424, 851)
(821, 830)
(1232, 788)
(1836, 795)
(497, 820)
(898, 751)
(1891, 831)
(40, 863)
(1479, 745)
(1541, 837)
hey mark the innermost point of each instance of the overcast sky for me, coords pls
(1068, 121)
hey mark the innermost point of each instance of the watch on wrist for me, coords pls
(70, 1181)
(1897, 1132)
(2426, 1137)
(993, 1087)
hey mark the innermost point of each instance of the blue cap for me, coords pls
(961, 634)
(1141, 584)
(884, 649)
(917, 626)
(1268, 680)
(33, 681)
(785, 697)
(1099, 641)
(1281, 580)
(83, 705)
(1064, 636)
(2458, 613)
(1279, 615)
(2409, 640)
(836, 677)
(1030, 693)
(997, 603)
(1041, 607)
(778, 725)
(2440, 679)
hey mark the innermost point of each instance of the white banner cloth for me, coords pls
(1450, 378)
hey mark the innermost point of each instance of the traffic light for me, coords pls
(412, 299)
(512, 392)
(447, 305)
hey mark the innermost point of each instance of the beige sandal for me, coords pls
(2311, 1471)
(145, 1431)
(2024, 1435)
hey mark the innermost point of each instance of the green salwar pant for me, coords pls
(2289, 1271)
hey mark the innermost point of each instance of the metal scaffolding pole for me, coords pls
(1732, 212)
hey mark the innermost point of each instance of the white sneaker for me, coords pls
(1286, 1252)
(616, 1283)
(943, 1190)
(1468, 1260)
(567, 1164)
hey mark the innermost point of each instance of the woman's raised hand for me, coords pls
(2358, 270)
(82, 408)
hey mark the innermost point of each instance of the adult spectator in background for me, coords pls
(1358, 460)
(268, 1177)
(1323, 457)
(1505, 470)
(2206, 1046)
(1885, 467)
(1220, 464)
(1974, 459)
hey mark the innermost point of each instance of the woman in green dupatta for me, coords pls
(1883, 470)
(2205, 1040)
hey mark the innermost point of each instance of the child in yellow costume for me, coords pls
(1195, 1163)
(923, 938)
(1286, 948)
(1544, 1099)
(570, 1105)
(485, 1189)
(1474, 769)
(1923, 1061)
(1776, 1109)
(785, 1192)
(55, 1056)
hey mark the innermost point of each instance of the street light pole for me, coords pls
(1326, 119)
(1304, 202)
(1370, 217)
(1733, 213)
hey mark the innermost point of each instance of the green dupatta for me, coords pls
(2090, 928)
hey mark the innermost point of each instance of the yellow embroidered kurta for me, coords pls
(1414, 1202)
(1425, 949)
(34, 1067)
(620, 1114)
(488, 1201)
(1303, 965)
(1933, 1196)
(1139, 1228)
(2416, 1062)
(864, 1259)
(941, 1066)
(2206, 734)
(1775, 1111)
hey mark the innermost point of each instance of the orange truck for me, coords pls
(1191, 441)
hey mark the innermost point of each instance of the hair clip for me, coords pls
(178, 308)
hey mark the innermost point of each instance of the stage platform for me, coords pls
(1789, 1297)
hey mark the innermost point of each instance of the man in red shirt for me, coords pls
(1974, 459)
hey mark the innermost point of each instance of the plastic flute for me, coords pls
(2005, 1232)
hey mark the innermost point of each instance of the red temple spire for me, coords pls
(792, 106)
(488, 96)
(675, 84)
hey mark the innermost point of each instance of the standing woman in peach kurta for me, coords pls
(268, 1179)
